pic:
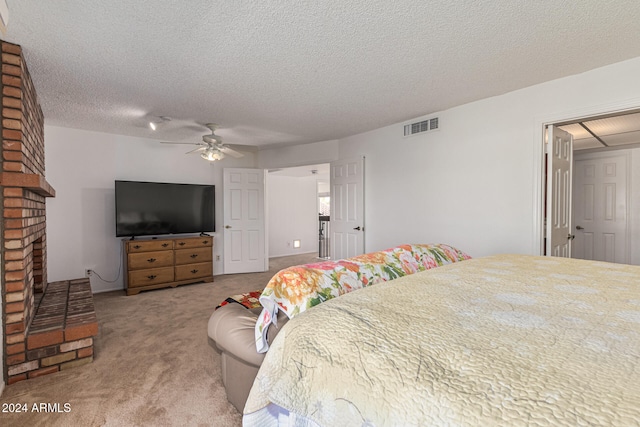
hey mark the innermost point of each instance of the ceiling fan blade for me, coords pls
(196, 149)
(228, 151)
(181, 143)
(241, 147)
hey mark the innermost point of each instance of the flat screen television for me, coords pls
(156, 208)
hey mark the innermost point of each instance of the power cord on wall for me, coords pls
(93, 272)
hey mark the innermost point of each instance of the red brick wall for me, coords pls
(23, 210)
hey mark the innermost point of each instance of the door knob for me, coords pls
(571, 236)
(357, 228)
(227, 226)
(579, 227)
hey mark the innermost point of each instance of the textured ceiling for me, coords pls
(290, 71)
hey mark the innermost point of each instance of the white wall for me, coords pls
(476, 182)
(292, 214)
(299, 155)
(469, 184)
(324, 186)
(82, 167)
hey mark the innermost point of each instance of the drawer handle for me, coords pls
(164, 245)
(194, 271)
(194, 255)
(137, 247)
(182, 243)
(151, 276)
(204, 242)
(152, 260)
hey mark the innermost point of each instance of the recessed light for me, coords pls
(156, 122)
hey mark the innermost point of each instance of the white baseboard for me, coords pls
(292, 253)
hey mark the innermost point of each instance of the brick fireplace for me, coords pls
(43, 328)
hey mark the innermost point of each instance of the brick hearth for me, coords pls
(61, 332)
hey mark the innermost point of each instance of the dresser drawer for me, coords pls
(189, 256)
(192, 271)
(152, 276)
(150, 260)
(148, 245)
(193, 242)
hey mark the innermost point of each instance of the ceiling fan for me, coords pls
(211, 148)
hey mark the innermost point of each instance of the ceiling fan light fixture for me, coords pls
(211, 154)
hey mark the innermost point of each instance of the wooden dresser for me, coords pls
(161, 263)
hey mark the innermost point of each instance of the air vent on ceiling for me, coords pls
(419, 127)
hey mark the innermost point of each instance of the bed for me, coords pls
(503, 340)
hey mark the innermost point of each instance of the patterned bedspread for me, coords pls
(249, 300)
(508, 340)
(295, 289)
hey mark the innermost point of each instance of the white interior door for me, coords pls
(559, 149)
(600, 207)
(347, 208)
(244, 221)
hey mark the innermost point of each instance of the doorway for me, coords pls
(293, 203)
(324, 219)
(602, 218)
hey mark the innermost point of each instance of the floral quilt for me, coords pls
(249, 300)
(295, 289)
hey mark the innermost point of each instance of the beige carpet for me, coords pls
(153, 365)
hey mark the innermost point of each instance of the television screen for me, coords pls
(154, 208)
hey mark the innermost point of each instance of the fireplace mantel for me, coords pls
(30, 181)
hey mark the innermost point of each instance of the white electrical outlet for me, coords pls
(88, 272)
(217, 257)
